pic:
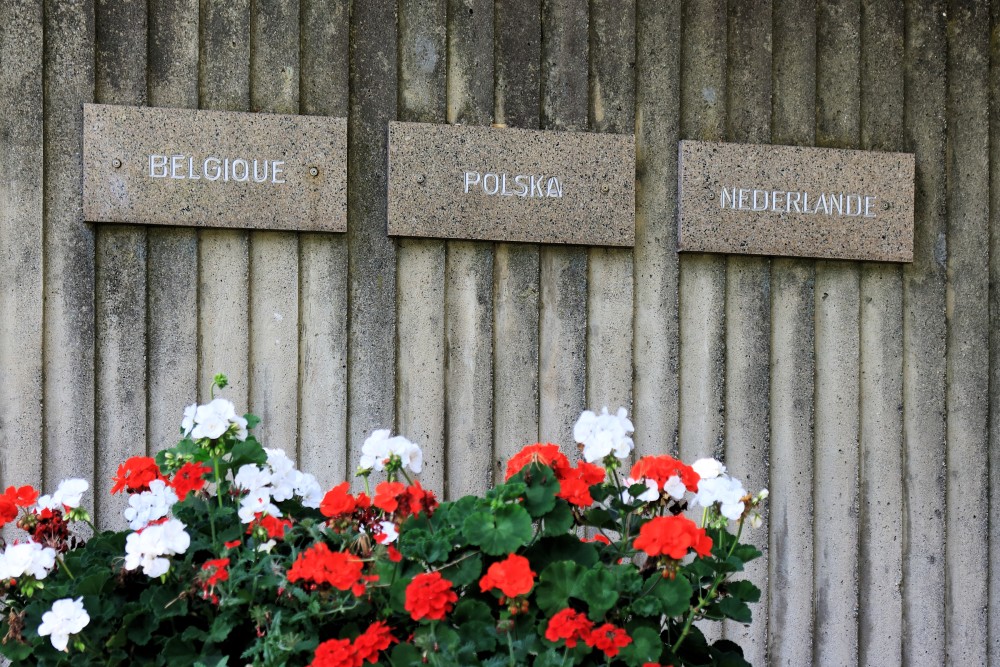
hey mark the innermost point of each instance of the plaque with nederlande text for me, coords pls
(795, 201)
(156, 166)
(502, 184)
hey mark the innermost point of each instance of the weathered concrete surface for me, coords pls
(880, 613)
(924, 343)
(322, 426)
(657, 122)
(172, 254)
(562, 348)
(790, 507)
(518, 37)
(420, 264)
(967, 551)
(372, 278)
(836, 448)
(274, 256)
(21, 245)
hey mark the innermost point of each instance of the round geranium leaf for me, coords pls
(542, 487)
(672, 595)
(503, 532)
(597, 589)
(557, 583)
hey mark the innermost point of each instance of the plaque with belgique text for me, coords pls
(795, 201)
(502, 184)
(155, 166)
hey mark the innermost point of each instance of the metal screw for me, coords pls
(885, 206)
(117, 163)
(420, 178)
(605, 189)
(313, 171)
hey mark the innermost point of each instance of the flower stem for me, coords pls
(65, 567)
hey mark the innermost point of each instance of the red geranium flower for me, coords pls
(136, 474)
(545, 454)
(570, 625)
(404, 500)
(607, 638)
(22, 496)
(217, 570)
(576, 492)
(387, 495)
(190, 477)
(335, 653)
(8, 511)
(273, 526)
(430, 596)
(319, 565)
(662, 468)
(338, 502)
(512, 576)
(672, 536)
(343, 653)
(378, 637)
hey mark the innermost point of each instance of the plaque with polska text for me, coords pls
(795, 201)
(503, 184)
(146, 165)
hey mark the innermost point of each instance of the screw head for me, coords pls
(885, 206)
(313, 171)
(420, 178)
(117, 163)
(605, 189)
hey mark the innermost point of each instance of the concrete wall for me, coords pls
(861, 394)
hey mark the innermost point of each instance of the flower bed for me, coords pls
(235, 557)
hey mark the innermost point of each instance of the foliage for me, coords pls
(235, 557)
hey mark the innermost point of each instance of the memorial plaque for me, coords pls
(795, 201)
(499, 184)
(214, 169)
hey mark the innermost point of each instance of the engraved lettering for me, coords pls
(822, 202)
(793, 202)
(496, 184)
(523, 191)
(275, 170)
(553, 189)
(212, 172)
(503, 188)
(856, 199)
(176, 161)
(869, 200)
(836, 202)
(157, 166)
(225, 170)
(536, 186)
(756, 203)
(246, 170)
(726, 194)
(775, 207)
(194, 176)
(257, 177)
(468, 182)
(743, 194)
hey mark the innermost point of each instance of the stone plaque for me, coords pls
(498, 184)
(802, 202)
(214, 169)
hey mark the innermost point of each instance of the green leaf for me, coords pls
(405, 655)
(559, 521)
(673, 595)
(735, 609)
(646, 646)
(743, 590)
(746, 552)
(464, 572)
(556, 584)
(424, 546)
(542, 487)
(503, 532)
(597, 588)
(727, 654)
(563, 547)
(248, 451)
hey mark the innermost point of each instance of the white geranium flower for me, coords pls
(604, 434)
(149, 505)
(726, 491)
(187, 424)
(309, 490)
(69, 493)
(67, 617)
(408, 452)
(27, 558)
(250, 478)
(375, 450)
(708, 468)
(266, 547)
(674, 487)
(241, 427)
(388, 531)
(284, 477)
(148, 548)
(257, 502)
(650, 495)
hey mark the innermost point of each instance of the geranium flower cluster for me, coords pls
(230, 547)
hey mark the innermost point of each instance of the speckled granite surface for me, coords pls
(803, 202)
(499, 184)
(214, 169)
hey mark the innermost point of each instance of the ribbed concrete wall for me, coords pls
(859, 393)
